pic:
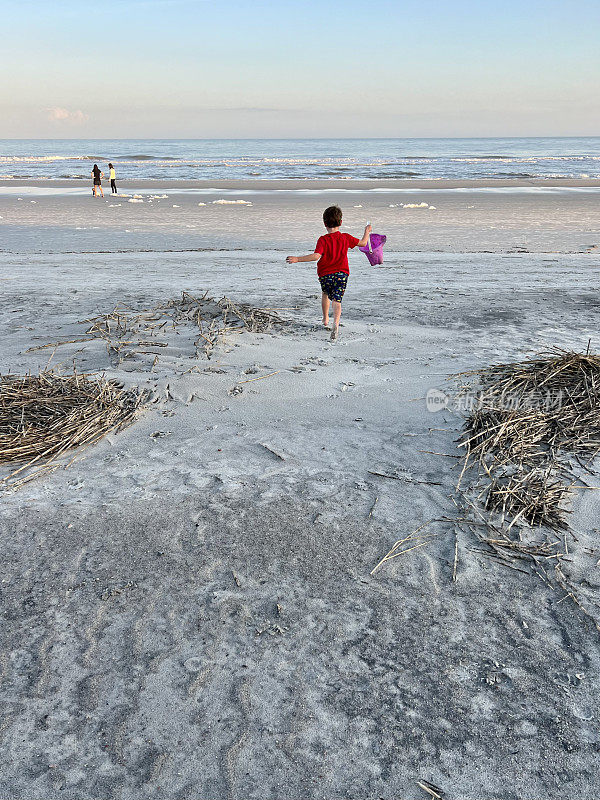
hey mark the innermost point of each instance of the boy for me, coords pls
(332, 270)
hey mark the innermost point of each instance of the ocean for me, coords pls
(223, 159)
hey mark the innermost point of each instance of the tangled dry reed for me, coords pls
(215, 318)
(127, 332)
(531, 420)
(44, 416)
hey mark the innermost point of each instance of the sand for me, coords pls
(188, 609)
(542, 216)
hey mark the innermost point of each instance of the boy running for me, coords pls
(332, 270)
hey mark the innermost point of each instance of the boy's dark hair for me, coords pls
(332, 217)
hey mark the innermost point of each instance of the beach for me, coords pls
(417, 216)
(189, 608)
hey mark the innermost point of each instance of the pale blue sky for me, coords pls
(199, 68)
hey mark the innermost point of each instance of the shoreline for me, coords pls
(285, 184)
(417, 216)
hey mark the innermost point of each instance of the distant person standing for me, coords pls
(113, 178)
(97, 175)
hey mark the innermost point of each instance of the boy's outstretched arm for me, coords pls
(365, 239)
(309, 257)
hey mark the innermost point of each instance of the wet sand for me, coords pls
(285, 184)
(441, 216)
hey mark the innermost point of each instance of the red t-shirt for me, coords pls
(333, 248)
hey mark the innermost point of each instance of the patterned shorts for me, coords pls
(334, 285)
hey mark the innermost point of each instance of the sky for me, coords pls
(243, 69)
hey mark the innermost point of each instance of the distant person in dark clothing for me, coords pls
(113, 178)
(97, 175)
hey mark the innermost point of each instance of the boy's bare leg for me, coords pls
(325, 307)
(337, 313)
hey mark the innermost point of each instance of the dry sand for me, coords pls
(188, 610)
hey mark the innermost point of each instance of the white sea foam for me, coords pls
(201, 204)
(232, 202)
(135, 200)
(51, 191)
(415, 205)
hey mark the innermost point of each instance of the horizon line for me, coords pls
(282, 138)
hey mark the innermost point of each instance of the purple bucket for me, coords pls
(375, 252)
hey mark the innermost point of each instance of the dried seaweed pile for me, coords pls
(126, 332)
(130, 333)
(44, 416)
(531, 421)
(215, 318)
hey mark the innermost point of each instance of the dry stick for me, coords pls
(389, 556)
(401, 541)
(455, 557)
(59, 344)
(271, 450)
(435, 453)
(562, 581)
(434, 792)
(373, 507)
(52, 354)
(395, 477)
(468, 453)
(499, 560)
(262, 377)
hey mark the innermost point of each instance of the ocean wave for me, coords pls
(144, 157)
(303, 160)
(514, 175)
(38, 159)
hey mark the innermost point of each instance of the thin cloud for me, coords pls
(251, 109)
(57, 114)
